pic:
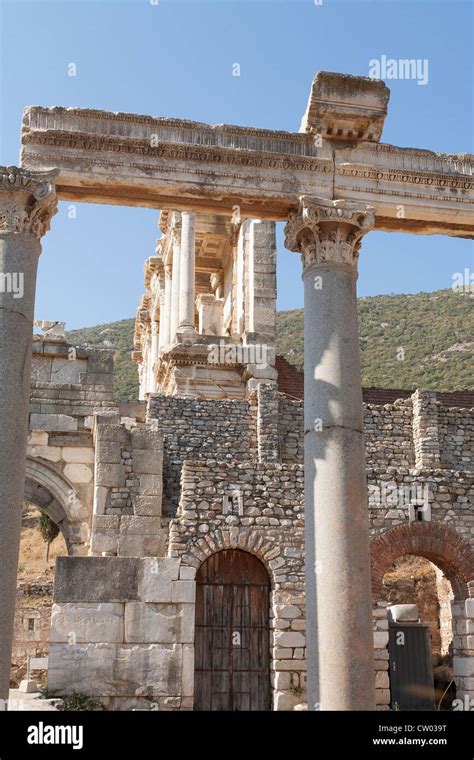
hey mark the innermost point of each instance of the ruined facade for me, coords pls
(162, 508)
(211, 461)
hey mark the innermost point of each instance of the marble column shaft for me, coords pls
(338, 594)
(166, 317)
(187, 274)
(175, 278)
(27, 203)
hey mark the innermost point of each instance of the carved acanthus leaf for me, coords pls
(325, 231)
(26, 214)
(27, 200)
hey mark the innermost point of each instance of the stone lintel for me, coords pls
(127, 159)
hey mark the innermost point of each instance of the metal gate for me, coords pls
(411, 670)
(232, 642)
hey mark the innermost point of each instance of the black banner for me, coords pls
(379, 734)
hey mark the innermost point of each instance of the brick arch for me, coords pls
(55, 496)
(248, 540)
(437, 543)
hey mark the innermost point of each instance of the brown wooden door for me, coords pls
(232, 633)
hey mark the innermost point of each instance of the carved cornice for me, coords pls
(27, 200)
(226, 155)
(453, 181)
(328, 232)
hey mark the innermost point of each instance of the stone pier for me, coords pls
(339, 626)
(27, 203)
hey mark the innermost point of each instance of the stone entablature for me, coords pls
(93, 150)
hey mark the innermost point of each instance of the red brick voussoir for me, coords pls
(442, 546)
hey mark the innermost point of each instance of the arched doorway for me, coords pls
(232, 641)
(53, 494)
(453, 561)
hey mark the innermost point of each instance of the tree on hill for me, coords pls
(49, 530)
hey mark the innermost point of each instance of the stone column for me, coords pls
(165, 317)
(338, 594)
(161, 299)
(153, 356)
(187, 275)
(175, 284)
(27, 203)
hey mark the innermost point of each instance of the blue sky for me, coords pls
(175, 58)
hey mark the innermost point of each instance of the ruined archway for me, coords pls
(449, 552)
(439, 544)
(55, 496)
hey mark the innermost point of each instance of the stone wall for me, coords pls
(257, 507)
(388, 434)
(123, 631)
(381, 657)
(290, 422)
(194, 429)
(128, 489)
(231, 476)
(456, 438)
(32, 621)
(443, 496)
(67, 384)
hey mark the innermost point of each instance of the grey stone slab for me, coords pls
(96, 579)
(147, 506)
(87, 668)
(80, 622)
(141, 546)
(54, 422)
(159, 623)
(111, 475)
(153, 669)
(133, 525)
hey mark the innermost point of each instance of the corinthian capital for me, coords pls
(326, 231)
(27, 200)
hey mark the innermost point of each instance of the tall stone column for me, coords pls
(166, 314)
(153, 356)
(27, 203)
(175, 283)
(187, 274)
(338, 594)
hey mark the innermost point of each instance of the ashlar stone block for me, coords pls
(148, 669)
(155, 577)
(87, 623)
(87, 668)
(158, 623)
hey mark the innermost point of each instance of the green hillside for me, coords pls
(432, 333)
